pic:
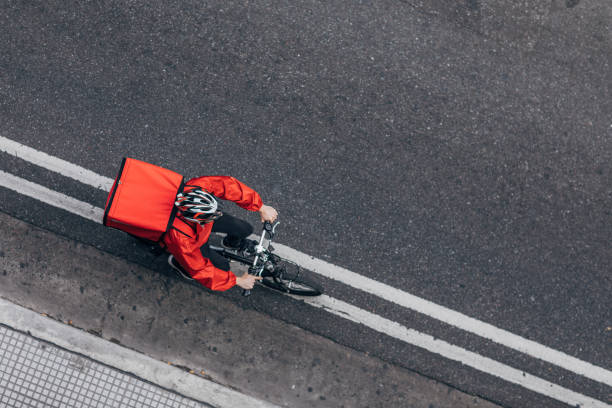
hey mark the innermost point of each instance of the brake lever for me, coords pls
(271, 228)
(252, 271)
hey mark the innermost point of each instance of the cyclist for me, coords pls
(199, 213)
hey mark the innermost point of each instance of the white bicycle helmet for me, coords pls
(198, 205)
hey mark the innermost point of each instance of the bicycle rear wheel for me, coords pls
(289, 277)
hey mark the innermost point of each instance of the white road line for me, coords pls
(55, 164)
(124, 359)
(452, 352)
(346, 311)
(447, 315)
(51, 197)
(360, 282)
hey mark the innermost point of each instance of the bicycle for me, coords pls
(277, 273)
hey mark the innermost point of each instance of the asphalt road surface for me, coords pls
(457, 150)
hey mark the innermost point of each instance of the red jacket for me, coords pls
(185, 238)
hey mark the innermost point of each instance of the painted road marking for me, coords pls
(55, 164)
(51, 197)
(446, 315)
(349, 312)
(452, 352)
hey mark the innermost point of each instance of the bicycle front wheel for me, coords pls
(290, 278)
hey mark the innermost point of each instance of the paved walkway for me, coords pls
(35, 373)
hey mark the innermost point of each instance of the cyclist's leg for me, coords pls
(217, 259)
(235, 228)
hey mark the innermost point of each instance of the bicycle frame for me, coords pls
(262, 255)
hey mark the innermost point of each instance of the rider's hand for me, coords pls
(268, 213)
(247, 281)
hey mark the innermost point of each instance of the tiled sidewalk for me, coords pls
(34, 373)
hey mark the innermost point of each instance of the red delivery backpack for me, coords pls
(141, 201)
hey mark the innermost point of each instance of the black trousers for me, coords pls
(236, 229)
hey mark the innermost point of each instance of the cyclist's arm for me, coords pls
(228, 188)
(200, 268)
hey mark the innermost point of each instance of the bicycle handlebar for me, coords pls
(259, 249)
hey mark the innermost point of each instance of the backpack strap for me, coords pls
(174, 211)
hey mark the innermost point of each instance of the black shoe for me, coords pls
(236, 246)
(178, 268)
(246, 246)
